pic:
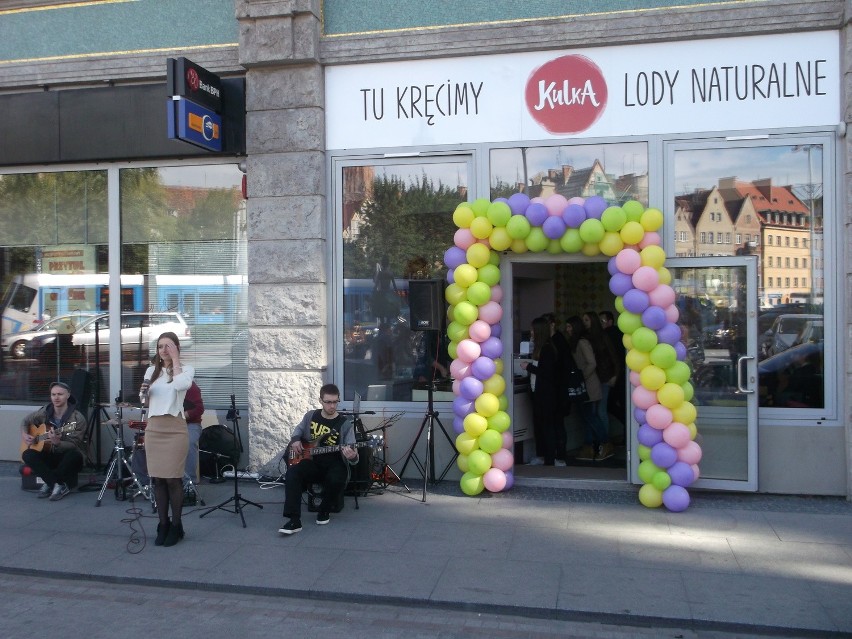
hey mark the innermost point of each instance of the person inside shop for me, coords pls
(164, 389)
(606, 360)
(597, 446)
(324, 427)
(54, 443)
(545, 384)
(193, 410)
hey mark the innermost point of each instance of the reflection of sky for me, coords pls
(450, 174)
(617, 159)
(209, 176)
(701, 169)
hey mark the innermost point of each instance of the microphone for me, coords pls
(143, 393)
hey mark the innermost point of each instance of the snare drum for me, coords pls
(137, 424)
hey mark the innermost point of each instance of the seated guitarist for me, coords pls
(323, 427)
(57, 455)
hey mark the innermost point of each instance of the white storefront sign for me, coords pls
(761, 82)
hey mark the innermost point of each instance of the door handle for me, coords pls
(740, 388)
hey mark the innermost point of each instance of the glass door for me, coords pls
(717, 300)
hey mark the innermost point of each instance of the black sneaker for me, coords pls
(322, 519)
(291, 527)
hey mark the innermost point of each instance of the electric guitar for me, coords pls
(41, 436)
(309, 450)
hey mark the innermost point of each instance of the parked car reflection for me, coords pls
(794, 378)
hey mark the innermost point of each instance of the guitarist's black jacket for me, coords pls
(74, 438)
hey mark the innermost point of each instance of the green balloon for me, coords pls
(479, 461)
(661, 480)
(478, 293)
(554, 247)
(456, 332)
(629, 322)
(571, 242)
(678, 373)
(500, 421)
(663, 355)
(688, 391)
(471, 484)
(489, 274)
(480, 207)
(646, 471)
(466, 313)
(518, 227)
(613, 218)
(490, 441)
(499, 213)
(633, 210)
(644, 339)
(592, 231)
(536, 241)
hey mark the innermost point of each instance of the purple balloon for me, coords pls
(620, 283)
(536, 213)
(653, 317)
(454, 256)
(669, 334)
(496, 330)
(451, 276)
(680, 349)
(637, 301)
(501, 199)
(483, 368)
(458, 425)
(639, 415)
(553, 227)
(676, 499)
(463, 407)
(510, 480)
(470, 388)
(595, 206)
(492, 347)
(662, 454)
(648, 436)
(681, 474)
(611, 266)
(574, 215)
(518, 203)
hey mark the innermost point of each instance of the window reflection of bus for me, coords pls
(34, 298)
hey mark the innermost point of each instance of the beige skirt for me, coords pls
(166, 444)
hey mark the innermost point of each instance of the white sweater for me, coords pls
(165, 398)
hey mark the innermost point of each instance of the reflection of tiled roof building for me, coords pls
(572, 182)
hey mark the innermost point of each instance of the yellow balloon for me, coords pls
(632, 233)
(693, 431)
(488, 404)
(665, 275)
(627, 341)
(652, 219)
(475, 424)
(495, 385)
(611, 243)
(465, 275)
(500, 239)
(685, 413)
(670, 395)
(454, 294)
(477, 255)
(519, 246)
(481, 227)
(466, 443)
(590, 250)
(463, 215)
(637, 360)
(652, 377)
(461, 461)
(650, 496)
(498, 366)
(652, 256)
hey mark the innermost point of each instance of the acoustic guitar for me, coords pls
(41, 435)
(309, 450)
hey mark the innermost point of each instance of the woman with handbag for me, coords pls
(596, 438)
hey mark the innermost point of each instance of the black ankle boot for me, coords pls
(162, 532)
(174, 535)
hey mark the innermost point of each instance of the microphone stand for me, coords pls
(234, 417)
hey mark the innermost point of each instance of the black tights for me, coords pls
(169, 492)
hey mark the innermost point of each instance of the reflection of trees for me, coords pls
(402, 221)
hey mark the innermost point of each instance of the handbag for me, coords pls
(575, 385)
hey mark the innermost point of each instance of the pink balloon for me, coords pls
(662, 296)
(672, 314)
(497, 293)
(695, 471)
(464, 239)
(658, 416)
(502, 459)
(537, 199)
(577, 200)
(644, 398)
(491, 312)
(651, 238)
(646, 278)
(457, 386)
(555, 204)
(676, 435)
(479, 331)
(468, 350)
(691, 453)
(508, 439)
(628, 261)
(635, 380)
(494, 480)
(459, 369)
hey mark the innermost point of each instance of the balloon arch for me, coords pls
(648, 316)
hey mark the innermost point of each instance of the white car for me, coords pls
(15, 344)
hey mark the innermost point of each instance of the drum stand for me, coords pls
(385, 474)
(119, 470)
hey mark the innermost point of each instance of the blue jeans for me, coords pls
(595, 431)
(603, 410)
(191, 467)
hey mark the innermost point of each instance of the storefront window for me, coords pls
(397, 223)
(776, 193)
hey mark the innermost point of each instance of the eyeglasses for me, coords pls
(330, 401)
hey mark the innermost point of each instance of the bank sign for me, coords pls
(194, 104)
(761, 82)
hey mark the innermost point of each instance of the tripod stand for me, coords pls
(120, 467)
(234, 417)
(427, 467)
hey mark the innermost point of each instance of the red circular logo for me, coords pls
(192, 79)
(567, 94)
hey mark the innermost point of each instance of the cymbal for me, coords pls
(118, 405)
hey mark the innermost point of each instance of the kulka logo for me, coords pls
(192, 79)
(567, 94)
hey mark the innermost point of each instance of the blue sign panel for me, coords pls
(193, 123)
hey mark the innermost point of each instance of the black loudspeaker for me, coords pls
(81, 390)
(426, 303)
